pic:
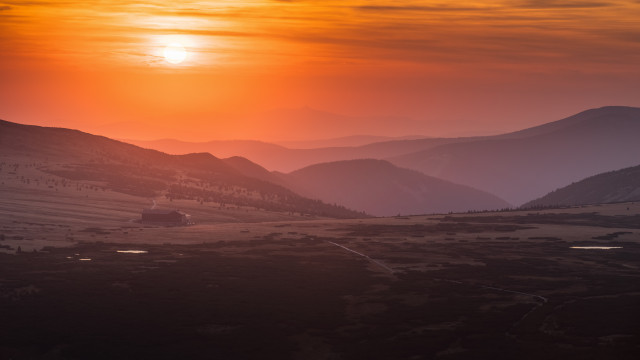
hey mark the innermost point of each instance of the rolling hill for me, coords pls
(527, 164)
(610, 187)
(380, 188)
(65, 156)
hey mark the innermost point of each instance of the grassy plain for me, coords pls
(250, 284)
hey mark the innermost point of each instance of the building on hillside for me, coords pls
(165, 217)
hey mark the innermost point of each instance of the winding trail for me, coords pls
(542, 300)
(377, 262)
(538, 297)
(390, 270)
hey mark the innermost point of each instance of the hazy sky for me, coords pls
(452, 67)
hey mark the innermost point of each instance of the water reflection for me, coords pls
(85, 259)
(133, 251)
(597, 247)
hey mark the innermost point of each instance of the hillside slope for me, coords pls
(614, 186)
(106, 164)
(528, 164)
(380, 188)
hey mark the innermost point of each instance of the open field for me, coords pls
(40, 209)
(248, 284)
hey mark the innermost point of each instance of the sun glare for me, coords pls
(175, 53)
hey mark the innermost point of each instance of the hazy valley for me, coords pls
(517, 167)
(294, 266)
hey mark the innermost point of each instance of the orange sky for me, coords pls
(444, 67)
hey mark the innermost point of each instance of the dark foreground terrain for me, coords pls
(494, 286)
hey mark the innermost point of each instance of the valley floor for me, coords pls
(500, 285)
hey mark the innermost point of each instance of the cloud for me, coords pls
(553, 4)
(518, 4)
(514, 31)
(416, 8)
(5, 7)
(202, 32)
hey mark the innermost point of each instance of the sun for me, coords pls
(175, 53)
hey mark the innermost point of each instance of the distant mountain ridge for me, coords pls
(527, 164)
(278, 124)
(345, 141)
(380, 188)
(310, 123)
(517, 166)
(610, 187)
(279, 158)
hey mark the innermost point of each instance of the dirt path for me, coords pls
(377, 262)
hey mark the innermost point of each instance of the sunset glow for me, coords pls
(450, 68)
(175, 53)
(304, 179)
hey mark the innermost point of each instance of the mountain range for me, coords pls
(345, 141)
(279, 158)
(401, 176)
(366, 186)
(128, 169)
(527, 164)
(517, 166)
